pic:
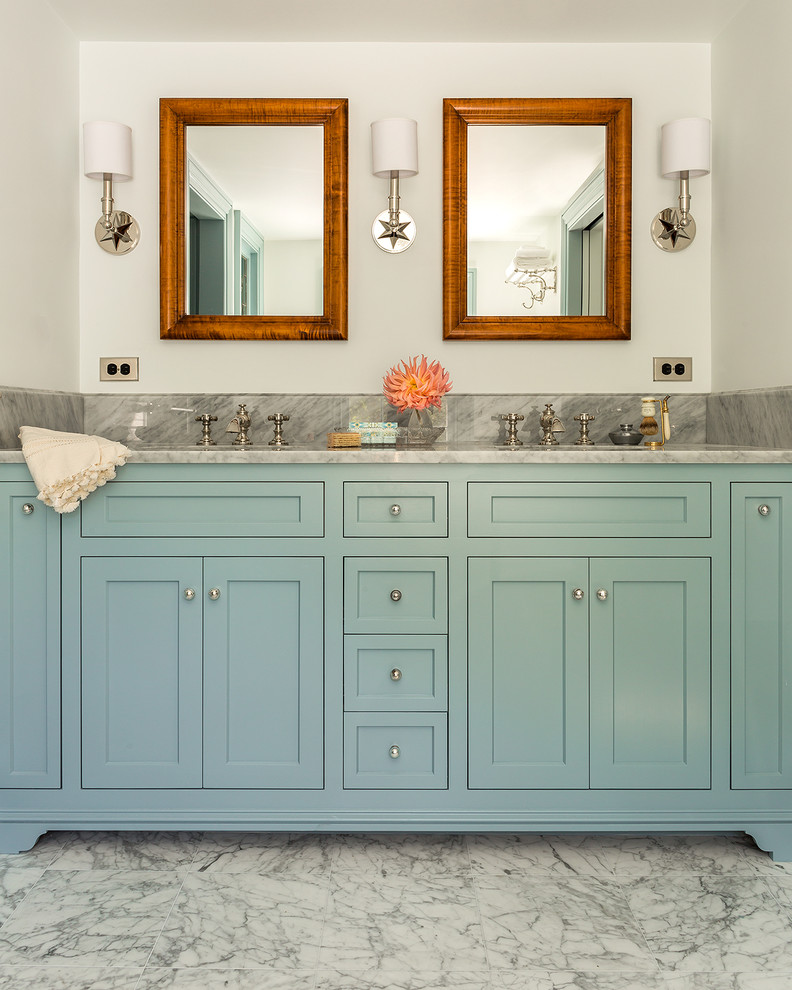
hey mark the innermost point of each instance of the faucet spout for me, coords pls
(240, 424)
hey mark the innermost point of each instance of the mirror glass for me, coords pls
(254, 234)
(537, 222)
(535, 212)
(253, 219)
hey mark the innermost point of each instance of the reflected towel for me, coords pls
(67, 467)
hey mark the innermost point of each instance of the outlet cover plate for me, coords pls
(673, 369)
(119, 369)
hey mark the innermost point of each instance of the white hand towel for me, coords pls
(67, 467)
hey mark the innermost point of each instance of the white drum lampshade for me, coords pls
(107, 148)
(686, 147)
(394, 147)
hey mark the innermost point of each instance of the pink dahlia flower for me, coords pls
(416, 385)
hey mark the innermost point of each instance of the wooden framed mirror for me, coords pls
(241, 257)
(537, 201)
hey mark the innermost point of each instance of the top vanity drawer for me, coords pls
(225, 508)
(552, 509)
(395, 509)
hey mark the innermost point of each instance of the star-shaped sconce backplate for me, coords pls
(667, 232)
(393, 237)
(121, 237)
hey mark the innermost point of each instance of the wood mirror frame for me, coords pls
(175, 116)
(616, 116)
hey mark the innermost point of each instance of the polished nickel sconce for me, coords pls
(107, 150)
(394, 155)
(685, 155)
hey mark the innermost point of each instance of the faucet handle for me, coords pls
(512, 419)
(278, 419)
(206, 439)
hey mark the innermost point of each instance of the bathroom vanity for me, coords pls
(453, 639)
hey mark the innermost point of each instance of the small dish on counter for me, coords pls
(626, 435)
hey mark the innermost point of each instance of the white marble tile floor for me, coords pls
(190, 911)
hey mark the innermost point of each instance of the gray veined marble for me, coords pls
(757, 417)
(61, 411)
(713, 924)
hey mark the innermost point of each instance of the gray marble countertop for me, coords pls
(475, 453)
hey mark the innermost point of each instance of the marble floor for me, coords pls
(204, 911)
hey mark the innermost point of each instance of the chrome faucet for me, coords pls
(240, 424)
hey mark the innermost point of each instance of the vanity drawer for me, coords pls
(396, 673)
(393, 509)
(395, 751)
(252, 508)
(629, 509)
(395, 595)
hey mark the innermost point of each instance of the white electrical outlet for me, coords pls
(119, 369)
(673, 369)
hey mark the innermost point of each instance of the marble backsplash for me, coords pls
(752, 418)
(759, 417)
(33, 407)
(170, 419)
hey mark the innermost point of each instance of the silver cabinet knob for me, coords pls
(395, 510)
(27, 508)
(395, 752)
(764, 510)
(214, 594)
(396, 674)
(189, 594)
(578, 594)
(602, 594)
(396, 595)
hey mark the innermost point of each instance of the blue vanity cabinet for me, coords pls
(202, 672)
(761, 635)
(528, 672)
(29, 640)
(650, 672)
(263, 672)
(589, 673)
(141, 671)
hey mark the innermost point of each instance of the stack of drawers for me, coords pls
(395, 641)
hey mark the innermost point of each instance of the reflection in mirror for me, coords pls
(537, 218)
(254, 237)
(253, 219)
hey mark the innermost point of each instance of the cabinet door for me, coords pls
(528, 673)
(29, 640)
(141, 672)
(263, 672)
(650, 672)
(761, 636)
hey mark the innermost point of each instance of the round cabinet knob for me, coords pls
(578, 594)
(396, 595)
(396, 674)
(395, 510)
(764, 510)
(214, 594)
(189, 594)
(395, 752)
(27, 508)
(602, 594)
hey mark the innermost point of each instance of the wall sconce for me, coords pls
(107, 151)
(685, 155)
(394, 155)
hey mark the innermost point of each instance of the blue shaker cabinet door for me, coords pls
(761, 635)
(263, 672)
(650, 673)
(141, 672)
(528, 673)
(29, 640)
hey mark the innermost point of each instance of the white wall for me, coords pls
(752, 207)
(39, 335)
(394, 302)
